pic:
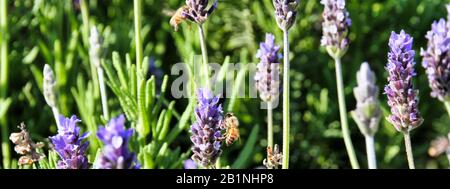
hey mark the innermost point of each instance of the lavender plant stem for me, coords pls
(137, 33)
(447, 106)
(4, 67)
(370, 149)
(85, 35)
(56, 115)
(204, 55)
(103, 94)
(269, 125)
(343, 115)
(85, 18)
(409, 153)
(286, 117)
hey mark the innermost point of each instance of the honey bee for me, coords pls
(231, 124)
(178, 17)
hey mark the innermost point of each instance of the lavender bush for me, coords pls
(97, 60)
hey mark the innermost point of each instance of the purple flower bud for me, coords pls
(189, 164)
(402, 98)
(197, 10)
(285, 13)
(436, 59)
(49, 86)
(335, 27)
(115, 154)
(367, 113)
(267, 75)
(68, 144)
(206, 130)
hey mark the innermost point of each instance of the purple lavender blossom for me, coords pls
(68, 144)
(285, 13)
(436, 59)
(115, 154)
(335, 26)
(402, 98)
(206, 131)
(197, 10)
(267, 75)
(189, 164)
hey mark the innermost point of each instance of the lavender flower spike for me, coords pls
(69, 146)
(402, 97)
(115, 154)
(436, 59)
(206, 130)
(49, 86)
(335, 26)
(95, 47)
(367, 113)
(267, 75)
(197, 11)
(285, 13)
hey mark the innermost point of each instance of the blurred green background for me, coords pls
(51, 31)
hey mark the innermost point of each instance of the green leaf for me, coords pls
(150, 92)
(143, 127)
(159, 124)
(4, 105)
(121, 75)
(31, 56)
(167, 119)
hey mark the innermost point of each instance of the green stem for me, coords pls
(85, 18)
(269, 125)
(56, 115)
(343, 115)
(286, 117)
(85, 35)
(409, 153)
(370, 149)
(204, 55)
(103, 94)
(137, 32)
(447, 106)
(4, 67)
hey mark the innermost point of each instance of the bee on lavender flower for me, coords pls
(178, 17)
(231, 124)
